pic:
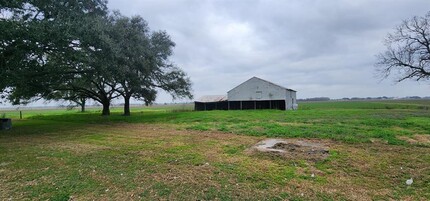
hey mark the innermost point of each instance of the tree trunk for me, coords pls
(126, 105)
(83, 104)
(106, 110)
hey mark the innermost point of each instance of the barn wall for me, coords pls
(240, 105)
(256, 89)
(201, 106)
(293, 93)
(254, 93)
(289, 100)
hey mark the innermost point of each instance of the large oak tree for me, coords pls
(143, 62)
(53, 48)
(44, 45)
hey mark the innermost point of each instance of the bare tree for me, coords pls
(408, 51)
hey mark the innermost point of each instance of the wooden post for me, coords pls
(255, 105)
(285, 104)
(20, 114)
(270, 103)
(240, 105)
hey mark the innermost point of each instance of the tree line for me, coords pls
(77, 50)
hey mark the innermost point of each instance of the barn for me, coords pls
(254, 93)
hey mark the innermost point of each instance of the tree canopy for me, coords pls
(43, 44)
(408, 51)
(143, 62)
(52, 49)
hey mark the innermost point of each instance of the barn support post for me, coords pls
(228, 103)
(240, 105)
(270, 103)
(205, 105)
(286, 106)
(255, 105)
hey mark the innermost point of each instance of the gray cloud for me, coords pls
(318, 47)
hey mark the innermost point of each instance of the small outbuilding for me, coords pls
(211, 102)
(254, 93)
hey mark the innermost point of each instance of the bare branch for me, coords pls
(408, 51)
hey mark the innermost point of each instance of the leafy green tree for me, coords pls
(38, 44)
(143, 62)
(53, 46)
(74, 99)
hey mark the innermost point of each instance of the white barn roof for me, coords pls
(263, 81)
(212, 98)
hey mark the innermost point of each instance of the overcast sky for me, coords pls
(317, 47)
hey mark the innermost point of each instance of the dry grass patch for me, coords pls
(417, 139)
(78, 148)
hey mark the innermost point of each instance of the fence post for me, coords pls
(20, 114)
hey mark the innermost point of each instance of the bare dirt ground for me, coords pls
(293, 149)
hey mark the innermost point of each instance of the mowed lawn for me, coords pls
(166, 154)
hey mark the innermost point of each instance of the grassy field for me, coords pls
(163, 154)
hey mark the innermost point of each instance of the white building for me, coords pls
(257, 89)
(254, 93)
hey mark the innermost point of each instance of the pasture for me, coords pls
(162, 153)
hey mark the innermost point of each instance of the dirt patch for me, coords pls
(293, 149)
(293, 124)
(416, 139)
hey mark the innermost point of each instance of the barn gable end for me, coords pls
(254, 93)
(257, 89)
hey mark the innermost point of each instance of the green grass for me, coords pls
(158, 153)
(343, 121)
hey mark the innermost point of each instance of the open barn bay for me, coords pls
(167, 154)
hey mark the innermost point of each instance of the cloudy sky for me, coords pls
(317, 47)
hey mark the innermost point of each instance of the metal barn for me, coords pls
(254, 93)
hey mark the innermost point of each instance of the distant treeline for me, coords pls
(360, 98)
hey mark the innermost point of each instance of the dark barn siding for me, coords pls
(222, 105)
(240, 105)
